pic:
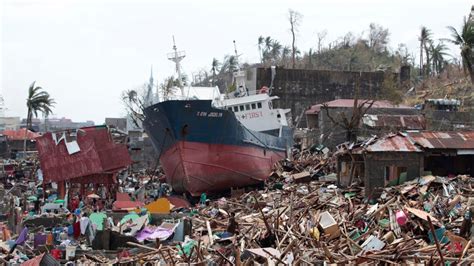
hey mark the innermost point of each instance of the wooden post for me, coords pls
(62, 189)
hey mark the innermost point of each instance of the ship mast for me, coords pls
(176, 57)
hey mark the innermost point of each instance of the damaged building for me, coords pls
(400, 157)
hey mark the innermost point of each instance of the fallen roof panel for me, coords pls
(443, 139)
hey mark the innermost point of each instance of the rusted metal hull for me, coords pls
(199, 167)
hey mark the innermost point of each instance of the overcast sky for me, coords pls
(85, 53)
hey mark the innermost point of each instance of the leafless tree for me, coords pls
(351, 124)
(321, 36)
(134, 101)
(294, 17)
(378, 37)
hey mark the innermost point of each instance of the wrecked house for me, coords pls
(397, 158)
(384, 117)
(84, 156)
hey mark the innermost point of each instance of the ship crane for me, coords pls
(176, 57)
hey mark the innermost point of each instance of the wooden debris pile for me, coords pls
(305, 166)
(425, 220)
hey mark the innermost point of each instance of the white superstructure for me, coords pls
(256, 112)
(254, 109)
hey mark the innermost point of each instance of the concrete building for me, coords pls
(9, 123)
(55, 124)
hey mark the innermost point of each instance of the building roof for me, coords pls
(417, 141)
(443, 139)
(394, 142)
(408, 122)
(350, 103)
(20, 134)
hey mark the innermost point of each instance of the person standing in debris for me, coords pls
(74, 204)
(466, 225)
(233, 226)
(37, 206)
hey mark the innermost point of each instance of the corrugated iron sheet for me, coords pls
(443, 140)
(408, 122)
(98, 154)
(396, 142)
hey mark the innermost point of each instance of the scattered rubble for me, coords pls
(301, 215)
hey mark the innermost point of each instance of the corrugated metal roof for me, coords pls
(443, 140)
(396, 142)
(408, 122)
(20, 134)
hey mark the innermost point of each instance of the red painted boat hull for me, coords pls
(208, 168)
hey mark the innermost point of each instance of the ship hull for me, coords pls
(200, 167)
(206, 150)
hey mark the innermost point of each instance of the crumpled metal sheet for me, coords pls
(98, 154)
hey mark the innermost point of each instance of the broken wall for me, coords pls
(377, 167)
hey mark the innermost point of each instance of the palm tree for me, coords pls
(276, 51)
(285, 54)
(215, 68)
(229, 64)
(424, 38)
(261, 41)
(465, 40)
(438, 54)
(38, 101)
(267, 47)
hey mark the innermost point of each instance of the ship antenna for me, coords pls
(176, 57)
(236, 55)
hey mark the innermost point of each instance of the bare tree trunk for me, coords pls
(26, 130)
(421, 58)
(293, 55)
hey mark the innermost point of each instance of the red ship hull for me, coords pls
(206, 168)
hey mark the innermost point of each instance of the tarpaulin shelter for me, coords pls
(84, 155)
